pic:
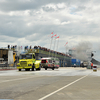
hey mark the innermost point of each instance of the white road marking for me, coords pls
(63, 87)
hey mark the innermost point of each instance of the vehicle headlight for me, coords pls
(29, 64)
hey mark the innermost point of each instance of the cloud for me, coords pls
(64, 23)
(31, 21)
(5, 39)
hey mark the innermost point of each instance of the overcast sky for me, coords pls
(30, 22)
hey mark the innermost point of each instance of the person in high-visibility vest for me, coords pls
(91, 65)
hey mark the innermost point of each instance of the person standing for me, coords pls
(91, 65)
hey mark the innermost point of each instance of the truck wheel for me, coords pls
(39, 67)
(28, 69)
(46, 68)
(53, 68)
(19, 69)
(33, 67)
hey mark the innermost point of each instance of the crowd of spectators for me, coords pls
(51, 51)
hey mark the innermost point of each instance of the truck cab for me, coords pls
(28, 61)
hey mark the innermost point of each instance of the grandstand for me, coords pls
(65, 60)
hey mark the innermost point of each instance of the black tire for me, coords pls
(19, 69)
(40, 67)
(33, 67)
(53, 68)
(37, 69)
(45, 68)
(28, 69)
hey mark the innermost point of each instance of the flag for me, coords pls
(66, 43)
(53, 35)
(50, 34)
(57, 37)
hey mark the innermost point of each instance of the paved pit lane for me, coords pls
(63, 83)
(57, 72)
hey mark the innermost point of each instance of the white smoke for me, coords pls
(82, 51)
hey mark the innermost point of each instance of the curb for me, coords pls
(7, 68)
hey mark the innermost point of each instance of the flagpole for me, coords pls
(57, 47)
(65, 53)
(64, 56)
(51, 43)
(54, 45)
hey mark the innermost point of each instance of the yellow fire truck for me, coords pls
(28, 61)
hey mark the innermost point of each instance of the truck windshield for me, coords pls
(27, 56)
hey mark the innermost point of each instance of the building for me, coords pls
(40, 52)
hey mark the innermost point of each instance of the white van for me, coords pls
(50, 62)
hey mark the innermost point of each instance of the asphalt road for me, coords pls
(58, 84)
